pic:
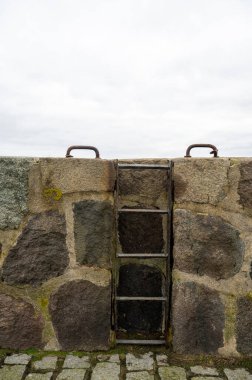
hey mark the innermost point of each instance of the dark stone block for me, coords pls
(244, 325)
(245, 185)
(80, 313)
(40, 252)
(140, 316)
(145, 183)
(197, 319)
(206, 245)
(141, 233)
(93, 231)
(140, 280)
(20, 327)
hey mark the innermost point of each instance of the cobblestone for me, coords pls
(129, 366)
(17, 359)
(47, 363)
(140, 362)
(199, 370)
(72, 361)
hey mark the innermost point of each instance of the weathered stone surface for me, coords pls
(140, 316)
(80, 313)
(39, 376)
(47, 363)
(245, 184)
(237, 374)
(109, 358)
(197, 319)
(141, 233)
(206, 378)
(200, 180)
(13, 190)
(140, 362)
(93, 231)
(76, 175)
(72, 361)
(72, 374)
(14, 372)
(144, 183)
(40, 252)
(105, 371)
(206, 245)
(162, 359)
(199, 370)
(17, 359)
(20, 327)
(172, 373)
(244, 325)
(143, 375)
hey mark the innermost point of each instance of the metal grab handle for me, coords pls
(97, 154)
(214, 151)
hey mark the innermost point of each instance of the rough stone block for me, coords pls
(93, 231)
(140, 362)
(105, 371)
(80, 313)
(47, 363)
(14, 372)
(141, 233)
(13, 191)
(244, 325)
(200, 180)
(206, 245)
(40, 252)
(245, 184)
(142, 375)
(77, 175)
(72, 361)
(197, 319)
(39, 376)
(237, 374)
(148, 184)
(20, 327)
(199, 370)
(140, 316)
(72, 374)
(17, 359)
(172, 373)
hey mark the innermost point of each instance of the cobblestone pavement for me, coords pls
(129, 366)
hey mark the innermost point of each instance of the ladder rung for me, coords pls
(141, 341)
(143, 166)
(118, 298)
(142, 255)
(143, 210)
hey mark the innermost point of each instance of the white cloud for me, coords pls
(136, 78)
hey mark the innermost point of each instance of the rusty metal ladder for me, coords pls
(166, 255)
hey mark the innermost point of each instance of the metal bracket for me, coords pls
(214, 151)
(68, 155)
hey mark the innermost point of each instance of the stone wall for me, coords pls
(212, 279)
(58, 241)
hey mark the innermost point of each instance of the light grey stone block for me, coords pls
(47, 363)
(39, 376)
(172, 373)
(143, 375)
(199, 370)
(72, 361)
(237, 374)
(17, 359)
(14, 372)
(141, 362)
(105, 371)
(162, 360)
(109, 358)
(72, 374)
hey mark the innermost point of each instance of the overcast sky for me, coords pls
(136, 78)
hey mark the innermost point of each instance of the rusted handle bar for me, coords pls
(97, 154)
(214, 151)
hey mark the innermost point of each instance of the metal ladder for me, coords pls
(166, 255)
